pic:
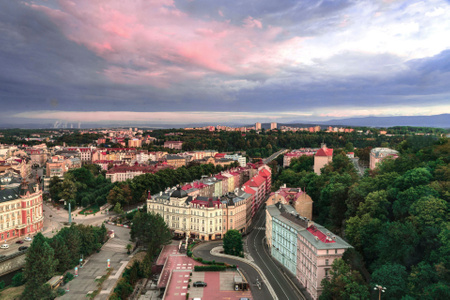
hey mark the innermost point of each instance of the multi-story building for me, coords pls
(20, 210)
(200, 210)
(134, 143)
(322, 157)
(242, 160)
(85, 153)
(304, 248)
(296, 154)
(176, 161)
(379, 154)
(273, 125)
(173, 145)
(125, 172)
(258, 126)
(300, 200)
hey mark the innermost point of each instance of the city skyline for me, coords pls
(222, 62)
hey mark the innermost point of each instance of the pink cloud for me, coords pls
(141, 39)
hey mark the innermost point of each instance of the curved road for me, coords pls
(203, 250)
(257, 249)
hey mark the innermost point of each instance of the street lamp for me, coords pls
(380, 289)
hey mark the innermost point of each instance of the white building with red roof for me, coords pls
(323, 157)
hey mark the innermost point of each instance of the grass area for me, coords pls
(12, 293)
(90, 210)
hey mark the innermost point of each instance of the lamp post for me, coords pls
(380, 290)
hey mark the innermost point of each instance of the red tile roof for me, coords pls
(324, 152)
(322, 237)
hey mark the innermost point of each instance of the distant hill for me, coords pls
(438, 121)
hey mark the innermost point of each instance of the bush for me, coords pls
(199, 259)
(2, 285)
(60, 292)
(18, 279)
(189, 253)
(68, 277)
(209, 268)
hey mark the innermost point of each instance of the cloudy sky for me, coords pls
(182, 61)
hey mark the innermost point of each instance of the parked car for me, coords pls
(199, 284)
(28, 239)
(4, 246)
(21, 248)
(19, 242)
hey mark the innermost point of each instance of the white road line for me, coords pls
(254, 244)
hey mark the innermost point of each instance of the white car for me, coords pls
(27, 239)
(5, 246)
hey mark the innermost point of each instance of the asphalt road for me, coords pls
(259, 252)
(250, 273)
(273, 156)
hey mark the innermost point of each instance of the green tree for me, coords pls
(72, 240)
(40, 266)
(118, 208)
(55, 188)
(343, 283)
(150, 229)
(18, 279)
(62, 254)
(68, 190)
(394, 278)
(232, 243)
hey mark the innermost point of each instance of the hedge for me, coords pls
(210, 268)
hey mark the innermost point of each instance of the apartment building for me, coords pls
(20, 210)
(84, 152)
(173, 145)
(205, 209)
(296, 197)
(176, 161)
(379, 154)
(296, 154)
(304, 248)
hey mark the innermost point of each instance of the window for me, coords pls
(335, 251)
(326, 262)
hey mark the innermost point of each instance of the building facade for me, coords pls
(296, 154)
(379, 154)
(21, 211)
(304, 248)
(322, 157)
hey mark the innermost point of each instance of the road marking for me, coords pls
(254, 243)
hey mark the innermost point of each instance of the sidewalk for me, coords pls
(96, 266)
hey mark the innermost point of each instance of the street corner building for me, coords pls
(206, 209)
(303, 247)
(20, 208)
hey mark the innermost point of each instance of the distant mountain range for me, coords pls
(439, 121)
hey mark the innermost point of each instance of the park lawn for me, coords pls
(12, 293)
(90, 210)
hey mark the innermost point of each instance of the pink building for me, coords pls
(21, 211)
(307, 250)
(296, 154)
(379, 154)
(323, 157)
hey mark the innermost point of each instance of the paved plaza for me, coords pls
(96, 266)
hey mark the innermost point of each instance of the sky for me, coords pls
(222, 61)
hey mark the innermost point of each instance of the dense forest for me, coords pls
(396, 217)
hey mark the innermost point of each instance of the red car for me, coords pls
(19, 242)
